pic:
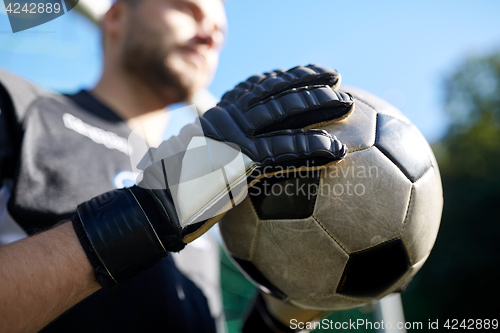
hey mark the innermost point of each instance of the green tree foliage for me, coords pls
(461, 277)
(472, 147)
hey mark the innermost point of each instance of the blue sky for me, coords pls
(400, 50)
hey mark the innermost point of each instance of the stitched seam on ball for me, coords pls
(282, 220)
(409, 253)
(378, 245)
(317, 193)
(254, 238)
(365, 103)
(428, 170)
(329, 234)
(405, 276)
(375, 131)
(373, 108)
(406, 121)
(359, 149)
(397, 166)
(408, 207)
(336, 294)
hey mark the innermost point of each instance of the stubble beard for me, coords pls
(145, 57)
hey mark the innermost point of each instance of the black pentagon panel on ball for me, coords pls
(403, 144)
(286, 196)
(370, 272)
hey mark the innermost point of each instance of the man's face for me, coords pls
(174, 45)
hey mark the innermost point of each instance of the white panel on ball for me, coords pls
(362, 201)
(283, 253)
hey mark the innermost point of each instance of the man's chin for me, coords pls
(175, 94)
(190, 82)
(175, 84)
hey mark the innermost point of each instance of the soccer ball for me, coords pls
(346, 235)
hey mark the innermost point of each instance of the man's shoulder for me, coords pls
(19, 93)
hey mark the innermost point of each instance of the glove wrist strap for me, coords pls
(119, 235)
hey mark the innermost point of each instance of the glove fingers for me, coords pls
(261, 86)
(298, 108)
(298, 148)
(277, 145)
(296, 77)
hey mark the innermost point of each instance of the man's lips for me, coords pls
(195, 56)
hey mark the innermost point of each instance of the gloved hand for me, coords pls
(187, 183)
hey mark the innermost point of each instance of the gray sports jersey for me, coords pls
(57, 151)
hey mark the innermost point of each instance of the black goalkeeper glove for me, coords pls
(256, 130)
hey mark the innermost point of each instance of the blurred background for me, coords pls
(439, 62)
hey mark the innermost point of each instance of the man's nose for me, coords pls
(209, 33)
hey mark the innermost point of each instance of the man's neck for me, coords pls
(132, 101)
(127, 96)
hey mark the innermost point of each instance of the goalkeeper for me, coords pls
(100, 262)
